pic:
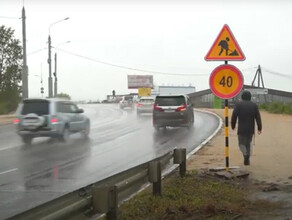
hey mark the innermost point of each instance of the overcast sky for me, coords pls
(170, 37)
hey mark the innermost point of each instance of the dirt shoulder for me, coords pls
(270, 174)
(271, 158)
(6, 119)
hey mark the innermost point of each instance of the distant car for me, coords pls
(126, 102)
(173, 111)
(49, 118)
(145, 105)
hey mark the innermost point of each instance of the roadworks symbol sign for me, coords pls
(225, 47)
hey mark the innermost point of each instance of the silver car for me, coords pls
(49, 118)
(145, 105)
(126, 102)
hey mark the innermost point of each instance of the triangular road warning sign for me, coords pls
(225, 47)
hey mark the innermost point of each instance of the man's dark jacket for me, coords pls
(247, 113)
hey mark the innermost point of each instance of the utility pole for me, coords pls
(24, 65)
(50, 80)
(260, 78)
(55, 74)
(50, 69)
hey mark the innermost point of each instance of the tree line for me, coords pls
(10, 70)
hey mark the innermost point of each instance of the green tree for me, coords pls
(64, 96)
(10, 70)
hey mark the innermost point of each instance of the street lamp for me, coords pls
(49, 59)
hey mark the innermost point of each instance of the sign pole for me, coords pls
(226, 81)
(226, 134)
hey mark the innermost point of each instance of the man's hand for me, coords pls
(259, 132)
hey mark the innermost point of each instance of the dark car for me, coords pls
(49, 118)
(172, 111)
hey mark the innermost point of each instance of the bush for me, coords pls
(9, 101)
(7, 107)
(3, 108)
(277, 108)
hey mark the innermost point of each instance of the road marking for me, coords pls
(8, 148)
(8, 171)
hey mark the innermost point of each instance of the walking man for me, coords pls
(247, 114)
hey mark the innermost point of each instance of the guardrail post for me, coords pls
(100, 199)
(112, 214)
(154, 176)
(105, 200)
(180, 157)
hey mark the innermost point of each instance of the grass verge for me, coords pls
(193, 197)
(277, 108)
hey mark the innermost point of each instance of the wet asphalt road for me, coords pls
(119, 140)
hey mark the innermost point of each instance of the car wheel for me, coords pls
(191, 124)
(65, 134)
(27, 140)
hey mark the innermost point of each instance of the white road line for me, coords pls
(8, 171)
(8, 148)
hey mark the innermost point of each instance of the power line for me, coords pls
(6, 17)
(249, 68)
(130, 68)
(136, 69)
(45, 48)
(277, 73)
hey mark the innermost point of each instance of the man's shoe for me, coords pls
(246, 160)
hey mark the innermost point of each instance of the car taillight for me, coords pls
(16, 121)
(181, 108)
(139, 104)
(156, 108)
(54, 120)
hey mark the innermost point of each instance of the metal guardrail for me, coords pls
(105, 196)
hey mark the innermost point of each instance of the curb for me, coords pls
(6, 119)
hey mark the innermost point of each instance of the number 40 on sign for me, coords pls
(226, 81)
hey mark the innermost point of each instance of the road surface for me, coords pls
(119, 140)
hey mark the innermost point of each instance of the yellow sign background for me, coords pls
(226, 81)
(220, 78)
(144, 91)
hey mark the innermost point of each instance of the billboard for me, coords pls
(140, 81)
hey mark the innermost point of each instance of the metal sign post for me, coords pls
(226, 136)
(226, 81)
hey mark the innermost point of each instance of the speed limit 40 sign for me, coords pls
(226, 81)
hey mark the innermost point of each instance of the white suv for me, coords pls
(49, 118)
(145, 105)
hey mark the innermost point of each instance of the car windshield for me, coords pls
(128, 98)
(170, 100)
(39, 107)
